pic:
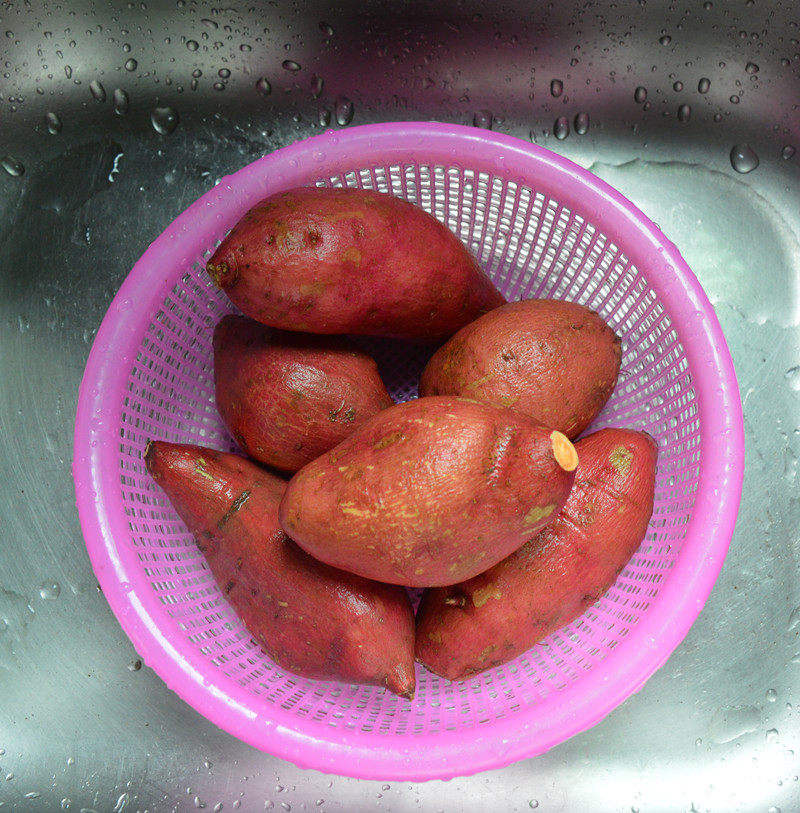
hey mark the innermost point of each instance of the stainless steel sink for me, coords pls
(115, 116)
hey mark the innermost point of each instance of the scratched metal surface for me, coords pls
(83, 725)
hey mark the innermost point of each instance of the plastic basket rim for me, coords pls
(446, 754)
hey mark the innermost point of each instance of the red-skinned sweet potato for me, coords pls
(553, 360)
(289, 397)
(429, 492)
(327, 260)
(310, 618)
(549, 582)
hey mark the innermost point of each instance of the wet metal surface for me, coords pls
(113, 118)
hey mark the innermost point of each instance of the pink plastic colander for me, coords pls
(542, 227)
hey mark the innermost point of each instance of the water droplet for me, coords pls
(698, 742)
(773, 808)
(135, 665)
(269, 804)
(12, 166)
(68, 71)
(677, 86)
(703, 85)
(684, 113)
(198, 803)
(97, 90)
(290, 65)
(771, 735)
(50, 590)
(533, 804)
(121, 102)
(772, 695)
(263, 86)
(237, 804)
(164, 119)
(122, 803)
(65, 803)
(743, 158)
(483, 119)
(326, 29)
(343, 110)
(561, 128)
(70, 760)
(286, 806)
(665, 40)
(717, 117)
(324, 117)
(734, 99)
(53, 123)
(224, 73)
(33, 795)
(192, 45)
(218, 807)
(581, 123)
(794, 619)
(787, 152)
(317, 83)
(556, 88)
(131, 65)
(751, 68)
(731, 722)
(212, 24)
(640, 95)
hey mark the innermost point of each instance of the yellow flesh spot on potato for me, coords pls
(538, 513)
(200, 468)
(483, 594)
(349, 508)
(479, 381)
(352, 255)
(312, 288)
(620, 458)
(346, 215)
(486, 652)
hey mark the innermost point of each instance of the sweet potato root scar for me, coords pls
(563, 451)
(235, 506)
(388, 440)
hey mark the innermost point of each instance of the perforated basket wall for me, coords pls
(542, 228)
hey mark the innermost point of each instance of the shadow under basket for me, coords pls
(542, 227)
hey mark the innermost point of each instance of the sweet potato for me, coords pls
(310, 618)
(553, 360)
(550, 581)
(429, 492)
(288, 397)
(327, 260)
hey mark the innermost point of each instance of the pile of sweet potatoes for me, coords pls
(482, 490)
